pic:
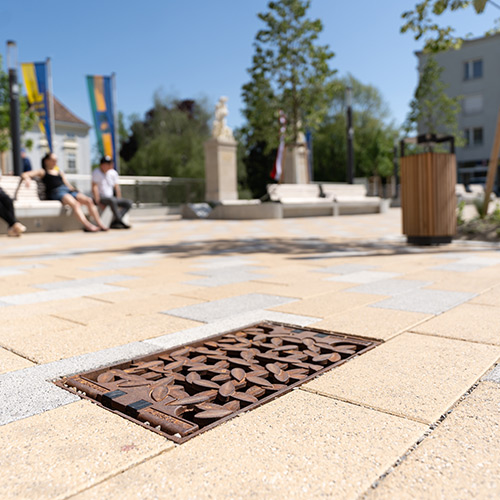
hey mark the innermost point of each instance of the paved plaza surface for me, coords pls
(418, 416)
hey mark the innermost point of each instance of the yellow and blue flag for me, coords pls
(37, 87)
(101, 103)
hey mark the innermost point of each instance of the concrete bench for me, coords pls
(36, 214)
(352, 199)
(300, 200)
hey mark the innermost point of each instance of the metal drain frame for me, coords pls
(89, 377)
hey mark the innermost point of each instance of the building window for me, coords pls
(473, 136)
(70, 161)
(473, 69)
(472, 104)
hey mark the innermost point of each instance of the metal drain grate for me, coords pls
(184, 391)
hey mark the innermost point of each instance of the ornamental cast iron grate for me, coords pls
(187, 390)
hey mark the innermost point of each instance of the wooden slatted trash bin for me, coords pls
(428, 199)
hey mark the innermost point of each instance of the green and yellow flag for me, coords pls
(101, 103)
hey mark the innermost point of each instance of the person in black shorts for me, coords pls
(57, 187)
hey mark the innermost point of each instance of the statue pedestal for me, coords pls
(220, 170)
(295, 170)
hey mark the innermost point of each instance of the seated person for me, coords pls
(57, 187)
(106, 191)
(8, 215)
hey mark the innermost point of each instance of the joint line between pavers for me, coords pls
(435, 335)
(362, 405)
(432, 428)
(68, 320)
(118, 472)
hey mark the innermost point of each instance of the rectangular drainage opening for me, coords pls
(186, 390)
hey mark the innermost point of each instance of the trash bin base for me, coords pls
(428, 240)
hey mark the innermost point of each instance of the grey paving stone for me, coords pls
(224, 262)
(126, 261)
(425, 301)
(63, 255)
(91, 361)
(338, 253)
(223, 308)
(468, 264)
(344, 269)
(493, 375)
(23, 395)
(363, 277)
(23, 249)
(226, 278)
(389, 287)
(28, 392)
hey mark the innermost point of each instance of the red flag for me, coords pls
(278, 164)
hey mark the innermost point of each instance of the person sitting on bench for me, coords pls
(106, 191)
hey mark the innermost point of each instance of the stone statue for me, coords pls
(219, 128)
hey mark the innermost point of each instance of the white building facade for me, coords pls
(71, 144)
(473, 73)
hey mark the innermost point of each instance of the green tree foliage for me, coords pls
(168, 141)
(423, 21)
(290, 72)
(27, 116)
(432, 111)
(373, 138)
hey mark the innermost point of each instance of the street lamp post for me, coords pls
(350, 137)
(15, 128)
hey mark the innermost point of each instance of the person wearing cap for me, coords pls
(106, 192)
(26, 161)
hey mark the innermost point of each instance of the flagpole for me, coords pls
(116, 159)
(51, 105)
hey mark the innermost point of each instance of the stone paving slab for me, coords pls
(301, 446)
(460, 459)
(328, 304)
(218, 309)
(489, 298)
(425, 301)
(48, 346)
(427, 371)
(12, 362)
(473, 322)
(372, 322)
(415, 376)
(69, 449)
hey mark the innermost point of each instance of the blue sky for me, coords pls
(202, 48)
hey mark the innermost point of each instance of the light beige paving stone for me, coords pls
(372, 322)
(294, 290)
(10, 362)
(328, 304)
(145, 288)
(417, 376)
(44, 347)
(39, 325)
(299, 446)
(47, 308)
(459, 460)
(490, 297)
(63, 451)
(474, 322)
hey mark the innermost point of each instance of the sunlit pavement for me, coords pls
(416, 417)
